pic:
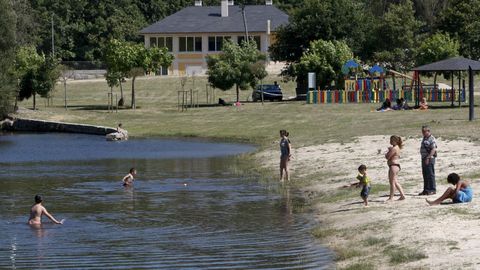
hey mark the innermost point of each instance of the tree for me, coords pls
(239, 65)
(37, 73)
(325, 58)
(7, 49)
(130, 60)
(460, 20)
(347, 20)
(435, 48)
(328, 20)
(396, 36)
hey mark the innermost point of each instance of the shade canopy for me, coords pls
(451, 64)
(350, 64)
(376, 69)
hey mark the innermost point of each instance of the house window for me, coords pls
(190, 44)
(254, 38)
(215, 43)
(166, 42)
(161, 42)
(163, 71)
(153, 42)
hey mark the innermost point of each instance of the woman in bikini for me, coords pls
(393, 162)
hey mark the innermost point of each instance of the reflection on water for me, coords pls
(218, 220)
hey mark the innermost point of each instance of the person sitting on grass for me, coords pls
(363, 182)
(462, 192)
(423, 104)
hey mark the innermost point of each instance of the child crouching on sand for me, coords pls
(363, 182)
(462, 192)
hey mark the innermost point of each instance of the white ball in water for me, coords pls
(185, 184)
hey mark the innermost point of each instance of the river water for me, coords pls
(190, 208)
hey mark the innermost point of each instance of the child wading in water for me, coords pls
(130, 177)
(285, 155)
(363, 182)
(462, 192)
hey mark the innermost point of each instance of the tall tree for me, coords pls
(27, 26)
(347, 20)
(435, 48)
(130, 60)
(240, 65)
(7, 49)
(328, 20)
(325, 58)
(37, 74)
(460, 19)
(396, 36)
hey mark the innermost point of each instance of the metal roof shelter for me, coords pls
(455, 64)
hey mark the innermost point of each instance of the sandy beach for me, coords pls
(429, 237)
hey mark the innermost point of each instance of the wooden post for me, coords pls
(470, 93)
(206, 92)
(459, 86)
(453, 90)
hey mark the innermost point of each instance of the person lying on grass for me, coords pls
(462, 192)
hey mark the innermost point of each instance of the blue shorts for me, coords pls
(464, 195)
(365, 191)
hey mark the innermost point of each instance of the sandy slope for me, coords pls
(448, 234)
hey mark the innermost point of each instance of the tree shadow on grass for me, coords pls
(443, 107)
(97, 108)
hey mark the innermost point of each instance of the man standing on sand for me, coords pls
(428, 151)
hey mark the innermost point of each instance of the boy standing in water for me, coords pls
(285, 155)
(130, 177)
(38, 210)
(363, 182)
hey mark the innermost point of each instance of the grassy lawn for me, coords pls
(157, 115)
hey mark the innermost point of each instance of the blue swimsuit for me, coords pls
(464, 195)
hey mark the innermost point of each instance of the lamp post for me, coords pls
(53, 37)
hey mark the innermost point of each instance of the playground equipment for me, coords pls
(374, 88)
(187, 99)
(210, 93)
(110, 102)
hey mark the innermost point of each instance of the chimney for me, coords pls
(230, 3)
(268, 2)
(198, 3)
(224, 8)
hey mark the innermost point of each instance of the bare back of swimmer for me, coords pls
(38, 210)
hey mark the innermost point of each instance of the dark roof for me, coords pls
(451, 64)
(207, 19)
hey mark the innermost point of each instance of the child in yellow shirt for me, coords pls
(363, 182)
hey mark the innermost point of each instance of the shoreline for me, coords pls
(37, 125)
(401, 234)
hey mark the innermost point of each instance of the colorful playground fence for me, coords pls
(379, 96)
(363, 84)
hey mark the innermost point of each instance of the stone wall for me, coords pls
(33, 125)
